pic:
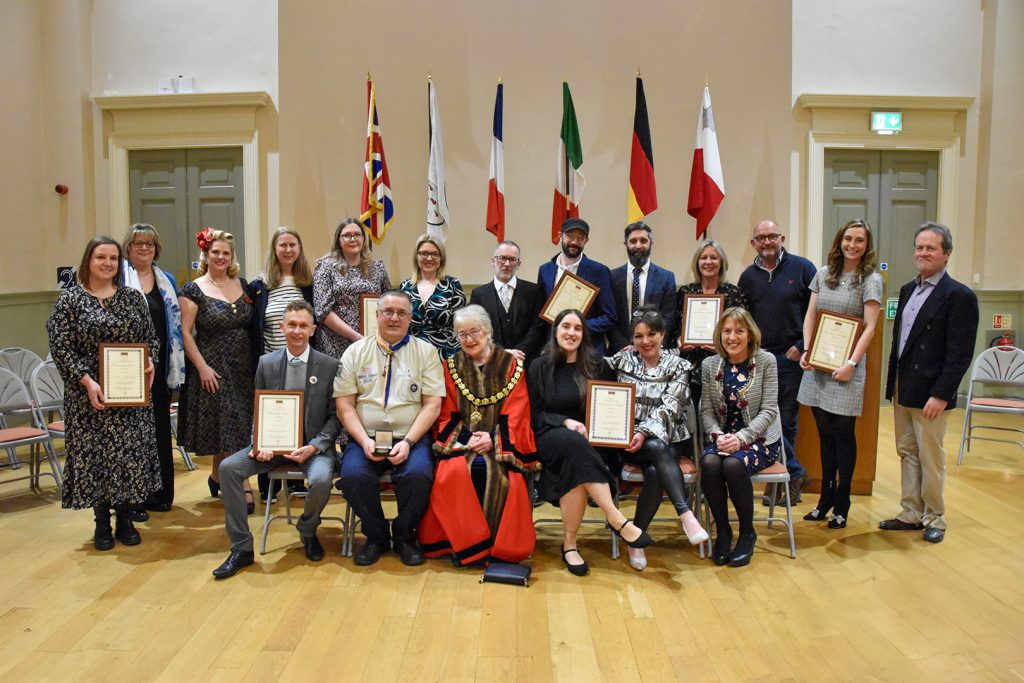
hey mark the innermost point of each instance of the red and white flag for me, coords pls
(707, 185)
(437, 187)
(496, 183)
(569, 180)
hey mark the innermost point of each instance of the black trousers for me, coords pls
(660, 462)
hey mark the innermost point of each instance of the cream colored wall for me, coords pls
(533, 46)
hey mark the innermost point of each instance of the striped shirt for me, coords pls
(277, 299)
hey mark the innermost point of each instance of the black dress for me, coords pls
(220, 421)
(568, 459)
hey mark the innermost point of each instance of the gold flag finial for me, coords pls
(429, 76)
(499, 79)
(707, 81)
(368, 76)
(638, 72)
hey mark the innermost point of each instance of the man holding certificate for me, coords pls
(599, 307)
(295, 425)
(388, 394)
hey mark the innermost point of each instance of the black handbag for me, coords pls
(505, 572)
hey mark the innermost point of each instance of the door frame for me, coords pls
(842, 122)
(179, 122)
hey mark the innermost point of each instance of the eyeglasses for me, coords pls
(393, 314)
(352, 236)
(428, 255)
(506, 259)
(144, 245)
(770, 237)
(474, 333)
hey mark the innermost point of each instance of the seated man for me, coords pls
(295, 368)
(388, 393)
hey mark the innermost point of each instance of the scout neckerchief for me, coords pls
(389, 351)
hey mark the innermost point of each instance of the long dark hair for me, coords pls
(337, 256)
(588, 360)
(835, 255)
(83, 269)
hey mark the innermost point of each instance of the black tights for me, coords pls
(661, 473)
(838, 456)
(723, 478)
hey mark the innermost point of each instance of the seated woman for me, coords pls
(573, 469)
(662, 381)
(479, 505)
(739, 414)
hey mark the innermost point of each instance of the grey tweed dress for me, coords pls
(817, 388)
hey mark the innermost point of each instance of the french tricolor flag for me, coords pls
(496, 184)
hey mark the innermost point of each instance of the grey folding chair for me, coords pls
(690, 465)
(1000, 366)
(21, 362)
(47, 390)
(387, 492)
(284, 474)
(174, 430)
(15, 402)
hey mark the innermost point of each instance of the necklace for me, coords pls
(476, 415)
(218, 284)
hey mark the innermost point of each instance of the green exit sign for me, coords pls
(886, 122)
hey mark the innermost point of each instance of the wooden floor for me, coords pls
(856, 604)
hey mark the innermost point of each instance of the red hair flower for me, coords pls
(204, 238)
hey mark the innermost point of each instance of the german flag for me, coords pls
(643, 192)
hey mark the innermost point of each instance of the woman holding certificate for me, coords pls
(573, 469)
(111, 448)
(739, 415)
(709, 266)
(662, 382)
(340, 278)
(479, 504)
(142, 247)
(435, 296)
(849, 286)
(217, 400)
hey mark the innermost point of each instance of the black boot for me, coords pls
(126, 533)
(103, 537)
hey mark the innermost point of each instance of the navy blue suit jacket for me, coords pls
(939, 348)
(601, 317)
(660, 291)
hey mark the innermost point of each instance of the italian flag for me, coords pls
(707, 185)
(569, 181)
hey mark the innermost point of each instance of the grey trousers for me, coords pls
(238, 467)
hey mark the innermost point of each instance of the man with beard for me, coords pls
(777, 287)
(512, 304)
(574, 236)
(640, 283)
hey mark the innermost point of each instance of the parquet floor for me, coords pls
(857, 604)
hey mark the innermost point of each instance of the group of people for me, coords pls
(463, 404)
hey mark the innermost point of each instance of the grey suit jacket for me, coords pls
(762, 410)
(321, 420)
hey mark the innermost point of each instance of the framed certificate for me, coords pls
(368, 314)
(277, 421)
(610, 415)
(123, 374)
(571, 291)
(834, 338)
(700, 316)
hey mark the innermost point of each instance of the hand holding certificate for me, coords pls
(277, 421)
(610, 413)
(571, 292)
(123, 374)
(834, 338)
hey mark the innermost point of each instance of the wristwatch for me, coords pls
(851, 362)
(408, 441)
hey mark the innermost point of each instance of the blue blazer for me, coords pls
(939, 348)
(601, 318)
(660, 291)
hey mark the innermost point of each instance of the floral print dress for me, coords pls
(735, 378)
(111, 453)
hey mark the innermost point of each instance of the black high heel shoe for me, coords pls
(837, 522)
(722, 552)
(250, 502)
(574, 569)
(214, 486)
(744, 550)
(642, 541)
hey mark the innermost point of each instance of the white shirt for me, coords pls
(498, 284)
(304, 356)
(644, 270)
(572, 267)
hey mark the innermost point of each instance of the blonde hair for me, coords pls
(300, 271)
(740, 315)
(420, 241)
(695, 262)
(220, 236)
(143, 229)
